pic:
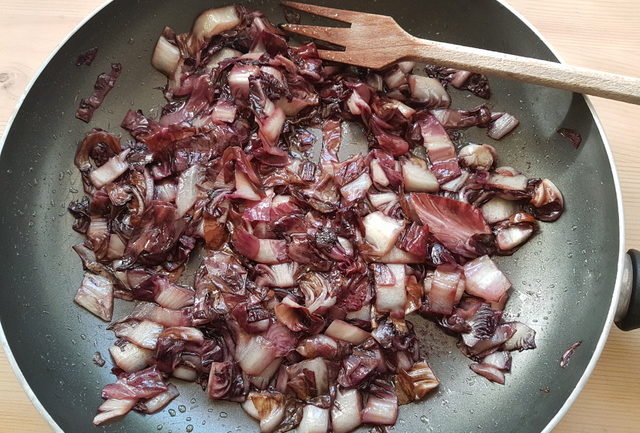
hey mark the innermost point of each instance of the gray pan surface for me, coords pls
(563, 279)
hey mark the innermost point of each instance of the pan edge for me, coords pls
(621, 240)
(3, 339)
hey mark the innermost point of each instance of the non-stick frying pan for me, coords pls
(567, 280)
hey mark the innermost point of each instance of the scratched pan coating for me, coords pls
(563, 279)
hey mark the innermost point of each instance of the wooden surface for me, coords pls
(601, 34)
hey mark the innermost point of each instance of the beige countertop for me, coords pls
(602, 34)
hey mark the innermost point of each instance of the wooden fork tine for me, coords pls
(323, 11)
(334, 56)
(334, 35)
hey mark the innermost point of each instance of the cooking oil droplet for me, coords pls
(182, 408)
(189, 428)
(210, 409)
(159, 427)
(204, 422)
(172, 412)
(188, 418)
(193, 400)
(223, 414)
(424, 419)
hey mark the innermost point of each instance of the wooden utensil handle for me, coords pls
(550, 74)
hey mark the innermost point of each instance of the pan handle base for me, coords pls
(628, 313)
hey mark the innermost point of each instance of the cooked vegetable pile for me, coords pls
(310, 263)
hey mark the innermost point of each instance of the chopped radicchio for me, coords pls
(98, 359)
(87, 57)
(572, 135)
(477, 84)
(457, 225)
(104, 84)
(310, 267)
(566, 356)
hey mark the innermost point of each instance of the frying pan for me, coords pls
(567, 280)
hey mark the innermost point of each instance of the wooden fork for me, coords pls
(377, 41)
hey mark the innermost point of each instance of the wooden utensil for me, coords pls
(377, 41)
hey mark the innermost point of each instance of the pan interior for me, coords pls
(563, 279)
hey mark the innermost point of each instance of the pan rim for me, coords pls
(3, 338)
(586, 374)
(621, 229)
